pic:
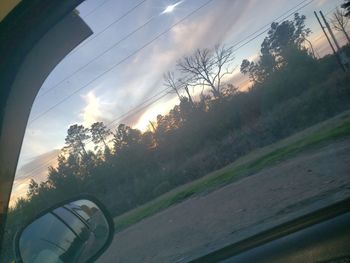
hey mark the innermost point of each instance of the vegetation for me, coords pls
(290, 90)
(340, 22)
(231, 173)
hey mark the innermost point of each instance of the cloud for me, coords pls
(39, 140)
(36, 169)
(96, 109)
(91, 112)
(208, 29)
(201, 31)
(320, 2)
(141, 77)
(32, 142)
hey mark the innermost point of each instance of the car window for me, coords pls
(196, 123)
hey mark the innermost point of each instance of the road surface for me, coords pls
(205, 223)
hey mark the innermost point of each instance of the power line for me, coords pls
(263, 32)
(330, 11)
(104, 52)
(121, 40)
(118, 63)
(129, 113)
(236, 49)
(108, 26)
(121, 61)
(136, 110)
(269, 24)
(96, 8)
(321, 35)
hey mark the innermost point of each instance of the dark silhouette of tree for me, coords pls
(177, 85)
(125, 137)
(288, 34)
(99, 133)
(33, 189)
(75, 140)
(186, 88)
(66, 174)
(229, 90)
(148, 140)
(169, 81)
(340, 21)
(282, 42)
(207, 67)
(251, 69)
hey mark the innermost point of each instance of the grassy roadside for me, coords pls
(230, 173)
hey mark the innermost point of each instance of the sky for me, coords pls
(137, 50)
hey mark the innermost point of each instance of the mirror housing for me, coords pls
(76, 230)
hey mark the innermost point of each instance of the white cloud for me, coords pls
(200, 32)
(96, 109)
(92, 109)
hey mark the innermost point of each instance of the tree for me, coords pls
(99, 133)
(249, 68)
(339, 22)
(280, 45)
(75, 140)
(346, 6)
(33, 189)
(207, 67)
(125, 137)
(283, 37)
(169, 81)
(68, 174)
(230, 90)
(176, 86)
(188, 95)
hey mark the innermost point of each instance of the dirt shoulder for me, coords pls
(207, 222)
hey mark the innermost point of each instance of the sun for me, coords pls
(171, 8)
(151, 114)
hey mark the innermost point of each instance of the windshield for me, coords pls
(196, 123)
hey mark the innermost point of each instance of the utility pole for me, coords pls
(330, 31)
(325, 33)
(342, 57)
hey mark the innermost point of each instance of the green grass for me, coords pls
(231, 173)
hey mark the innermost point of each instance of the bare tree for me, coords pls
(169, 81)
(188, 93)
(177, 85)
(340, 22)
(346, 6)
(207, 67)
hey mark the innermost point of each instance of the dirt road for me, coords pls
(205, 223)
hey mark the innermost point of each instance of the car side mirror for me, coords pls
(78, 230)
